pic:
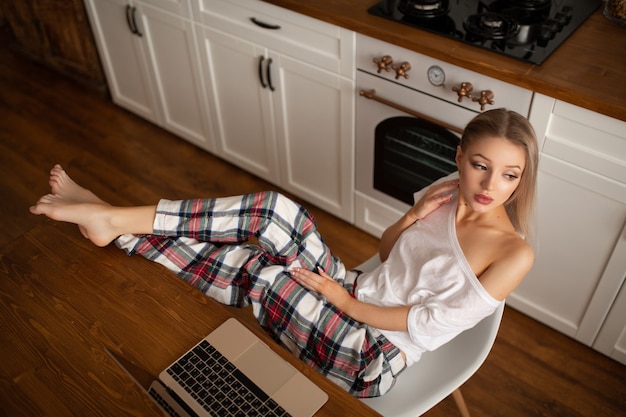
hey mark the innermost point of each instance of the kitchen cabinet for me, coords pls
(56, 33)
(611, 338)
(245, 131)
(149, 53)
(282, 98)
(580, 264)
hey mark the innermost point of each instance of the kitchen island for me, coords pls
(587, 70)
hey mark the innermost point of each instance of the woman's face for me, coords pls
(490, 171)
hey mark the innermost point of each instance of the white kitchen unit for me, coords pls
(580, 242)
(611, 339)
(281, 87)
(149, 54)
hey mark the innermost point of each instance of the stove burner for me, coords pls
(491, 26)
(529, 30)
(525, 12)
(427, 9)
(529, 5)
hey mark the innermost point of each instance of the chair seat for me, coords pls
(438, 373)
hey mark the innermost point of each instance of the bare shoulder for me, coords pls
(515, 258)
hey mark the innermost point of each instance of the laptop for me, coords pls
(231, 372)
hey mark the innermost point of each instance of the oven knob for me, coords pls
(486, 97)
(383, 63)
(464, 90)
(402, 70)
(564, 17)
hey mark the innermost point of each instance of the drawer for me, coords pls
(588, 140)
(310, 40)
(582, 178)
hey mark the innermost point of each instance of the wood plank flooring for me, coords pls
(45, 119)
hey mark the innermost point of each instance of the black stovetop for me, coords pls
(528, 30)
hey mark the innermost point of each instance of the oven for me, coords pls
(410, 112)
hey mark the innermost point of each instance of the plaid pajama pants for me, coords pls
(206, 243)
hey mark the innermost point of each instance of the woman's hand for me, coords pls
(321, 283)
(386, 318)
(434, 197)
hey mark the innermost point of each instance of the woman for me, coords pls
(447, 263)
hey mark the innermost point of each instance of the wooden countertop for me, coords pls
(587, 70)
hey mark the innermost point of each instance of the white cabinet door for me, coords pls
(578, 222)
(171, 46)
(128, 72)
(611, 339)
(242, 106)
(581, 211)
(298, 135)
(313, 109)
(151, 62)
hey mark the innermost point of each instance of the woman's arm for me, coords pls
(385, 318)
(507, 272)
(433, 198)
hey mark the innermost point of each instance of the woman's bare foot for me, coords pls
(92, 218)
(64, 191)
(97, 220)
(61, 184)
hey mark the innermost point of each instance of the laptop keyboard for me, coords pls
(221, 388)
(165, 405)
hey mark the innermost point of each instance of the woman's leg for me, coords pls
(217, 271)
(353, 355)
(97, 220)
(203, 242)
(285, 231)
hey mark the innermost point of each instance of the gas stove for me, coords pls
(528, 30)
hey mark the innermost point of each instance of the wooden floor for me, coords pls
(45, 119)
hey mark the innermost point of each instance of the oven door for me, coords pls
(411, 153)
(396, 152)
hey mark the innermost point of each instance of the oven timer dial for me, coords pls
(436, 75)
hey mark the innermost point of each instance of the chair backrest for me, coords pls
(438, 373)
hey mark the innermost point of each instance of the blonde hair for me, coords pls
(515, 128)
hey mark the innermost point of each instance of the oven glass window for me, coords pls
(410, 154)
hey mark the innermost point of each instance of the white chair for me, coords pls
(440, 373)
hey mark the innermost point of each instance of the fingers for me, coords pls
(433, 198)
(303, 277)
(444, 187)
(323, 273)
(309, 279)
(301, 274)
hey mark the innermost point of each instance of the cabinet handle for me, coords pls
(134, 15)
(131, 20)
(269, 74)
(261, 59)
(263, 24)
